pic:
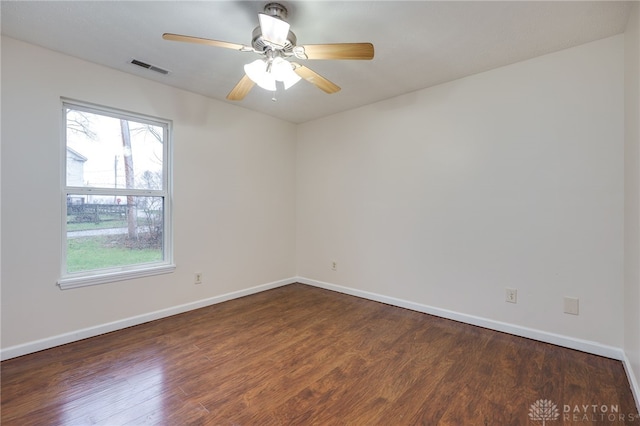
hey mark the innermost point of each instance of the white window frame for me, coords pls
(100, 276)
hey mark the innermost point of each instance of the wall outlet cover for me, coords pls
(571, 305)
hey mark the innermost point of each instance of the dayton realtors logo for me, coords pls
(545, 410)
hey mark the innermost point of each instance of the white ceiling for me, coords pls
(418, 44)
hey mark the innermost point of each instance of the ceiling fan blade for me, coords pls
(316, 79)
(242, 88)
(198, 40)
(339, 51)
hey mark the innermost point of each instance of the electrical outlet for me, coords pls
(334, 265)
(511, 295)
(571, 305)
(197, 278)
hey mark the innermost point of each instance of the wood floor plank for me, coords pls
(299, 355)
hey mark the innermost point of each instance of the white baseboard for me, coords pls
(61, 339)
(530, 333)
(635, 385)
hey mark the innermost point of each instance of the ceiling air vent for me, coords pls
(149, 67)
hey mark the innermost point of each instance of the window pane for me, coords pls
(113, 231)
(116, 187)
(108, 152)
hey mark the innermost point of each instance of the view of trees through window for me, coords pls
(116, 190)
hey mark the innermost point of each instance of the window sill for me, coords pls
(108, 277)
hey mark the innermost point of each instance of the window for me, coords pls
(115, 196)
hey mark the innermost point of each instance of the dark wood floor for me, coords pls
(299, 355)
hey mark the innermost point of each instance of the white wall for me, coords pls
(234, 201)
(632, 196)
(441, 197)
(445, 196)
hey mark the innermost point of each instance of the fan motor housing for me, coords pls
(278, 11)
(258, 43)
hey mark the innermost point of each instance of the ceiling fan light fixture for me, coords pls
(276, 43)
(257, 72)
(265, 73)
(274, 30)
(282, 70)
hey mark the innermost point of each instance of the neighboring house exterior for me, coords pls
(75, 172)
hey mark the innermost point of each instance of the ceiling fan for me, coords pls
(276, 44)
